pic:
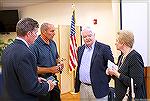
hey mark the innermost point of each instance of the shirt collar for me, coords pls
(22, 40)
(40, 40)
(125, 55)
(92, 46)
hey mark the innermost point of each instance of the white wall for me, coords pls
(135, 18)
(60, 14)
(116, 19)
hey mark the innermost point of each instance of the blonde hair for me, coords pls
(126, 37)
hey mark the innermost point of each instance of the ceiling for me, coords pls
(9, 4)
(15, 4)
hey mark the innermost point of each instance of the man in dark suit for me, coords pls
(19, 69)
(91, 78)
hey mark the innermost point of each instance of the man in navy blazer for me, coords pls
(91, 79)
(19, 70)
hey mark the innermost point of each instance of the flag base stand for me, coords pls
(73, 93)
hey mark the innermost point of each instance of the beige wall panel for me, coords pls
(57, 40)
(67, 78)
(64, 53)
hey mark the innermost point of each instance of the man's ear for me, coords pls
(28, 33)
(43, 32)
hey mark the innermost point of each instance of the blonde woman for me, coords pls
(130, 65)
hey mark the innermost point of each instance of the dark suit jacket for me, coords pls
(19, 74)
(99, 80)
(132, 67)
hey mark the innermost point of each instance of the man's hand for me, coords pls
(51, 84)
(60, 63)
(61, 66)
(40, 79)
(54, 69)
(113, 71)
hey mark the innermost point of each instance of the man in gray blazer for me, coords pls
(19, 69)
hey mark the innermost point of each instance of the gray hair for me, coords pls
(44, 27)
(89, 29)
(25, 25)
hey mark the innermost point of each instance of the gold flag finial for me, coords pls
(73, 6)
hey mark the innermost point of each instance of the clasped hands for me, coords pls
(58, 68)
(112, 71)
(50, 82)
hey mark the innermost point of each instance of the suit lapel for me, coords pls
(81, 53)
(94, 53)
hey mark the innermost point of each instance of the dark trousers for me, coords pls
(53, 95)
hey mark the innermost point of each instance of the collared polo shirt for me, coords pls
(46, 54)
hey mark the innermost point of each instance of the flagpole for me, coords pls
(74, 70)
(73, 82)
(73, 77)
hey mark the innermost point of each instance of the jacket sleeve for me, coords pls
(77, 81)
(108, 56)
(27, 75)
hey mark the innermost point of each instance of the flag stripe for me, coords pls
(73, 44)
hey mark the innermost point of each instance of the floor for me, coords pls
(70, 97)
(76, 97)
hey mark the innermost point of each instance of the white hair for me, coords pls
(87, 28)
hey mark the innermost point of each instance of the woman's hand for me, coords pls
(112, 71)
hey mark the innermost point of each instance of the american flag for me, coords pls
(73, 44)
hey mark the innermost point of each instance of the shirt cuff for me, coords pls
(49, 86)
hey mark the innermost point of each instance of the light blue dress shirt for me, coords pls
(84, 71)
